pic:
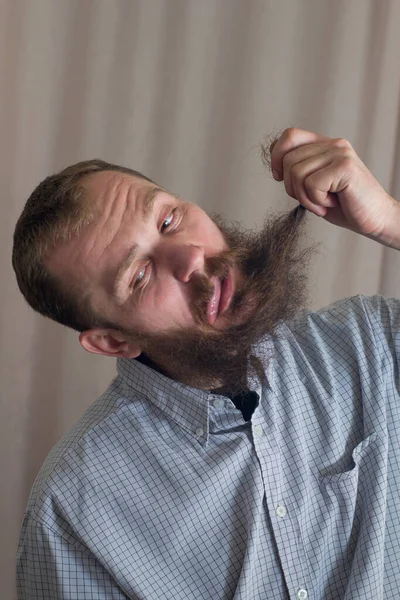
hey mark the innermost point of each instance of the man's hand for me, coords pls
(327, 177)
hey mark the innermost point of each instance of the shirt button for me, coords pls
(219, 403)
(281, 512)
(258, 430)
(302, 594)
(199, 431)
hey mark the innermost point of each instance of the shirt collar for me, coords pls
(187, 406)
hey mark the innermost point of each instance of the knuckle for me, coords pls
(286, 161)
(346, 163)
(342, 144)
(290, 133)
(272, 145)
(310, 182)
(297, 171)
(307, 185)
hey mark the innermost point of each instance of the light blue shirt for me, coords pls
(162, 491)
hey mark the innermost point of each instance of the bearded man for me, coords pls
(247, 447)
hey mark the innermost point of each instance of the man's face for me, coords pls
(140, 255)
(192, 294)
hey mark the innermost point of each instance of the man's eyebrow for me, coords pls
(147, 210)
(149, 200)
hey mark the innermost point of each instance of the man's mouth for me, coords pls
(221, 298)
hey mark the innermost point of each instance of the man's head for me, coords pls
(56, 211)
(136, 269)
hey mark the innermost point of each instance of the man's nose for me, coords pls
(182, 260)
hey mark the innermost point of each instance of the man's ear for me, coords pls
(108, 342)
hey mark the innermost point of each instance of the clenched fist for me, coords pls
(328, 178)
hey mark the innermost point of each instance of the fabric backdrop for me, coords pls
(182, 90)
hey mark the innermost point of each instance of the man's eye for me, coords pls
(140, 275)
(167, 222)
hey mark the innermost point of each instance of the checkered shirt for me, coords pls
(163, 491)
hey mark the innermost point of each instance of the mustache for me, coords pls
(242, 254)
(202, 284)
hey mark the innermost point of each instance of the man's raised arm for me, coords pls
(328, 178)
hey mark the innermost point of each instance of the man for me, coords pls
(247, 447)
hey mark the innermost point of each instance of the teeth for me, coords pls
(214, 303)
(213, 307)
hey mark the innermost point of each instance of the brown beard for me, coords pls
(272, 290)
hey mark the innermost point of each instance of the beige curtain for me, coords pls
(182, 90)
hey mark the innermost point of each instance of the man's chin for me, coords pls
(229, 320)
(241, 311)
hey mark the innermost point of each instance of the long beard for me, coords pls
(272, 290)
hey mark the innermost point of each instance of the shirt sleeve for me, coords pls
(384, 317)
(50, 567)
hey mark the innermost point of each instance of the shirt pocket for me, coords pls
(348, 478)
(330, 523)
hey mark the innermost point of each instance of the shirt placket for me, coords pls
(282, 511)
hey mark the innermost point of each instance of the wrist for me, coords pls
(389, 235)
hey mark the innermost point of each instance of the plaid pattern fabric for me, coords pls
(165, 491)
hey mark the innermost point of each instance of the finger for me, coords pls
(317, 152)
(291, 139)
(294, 179)
(272, 146)
(318, 185)
(301, 172)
